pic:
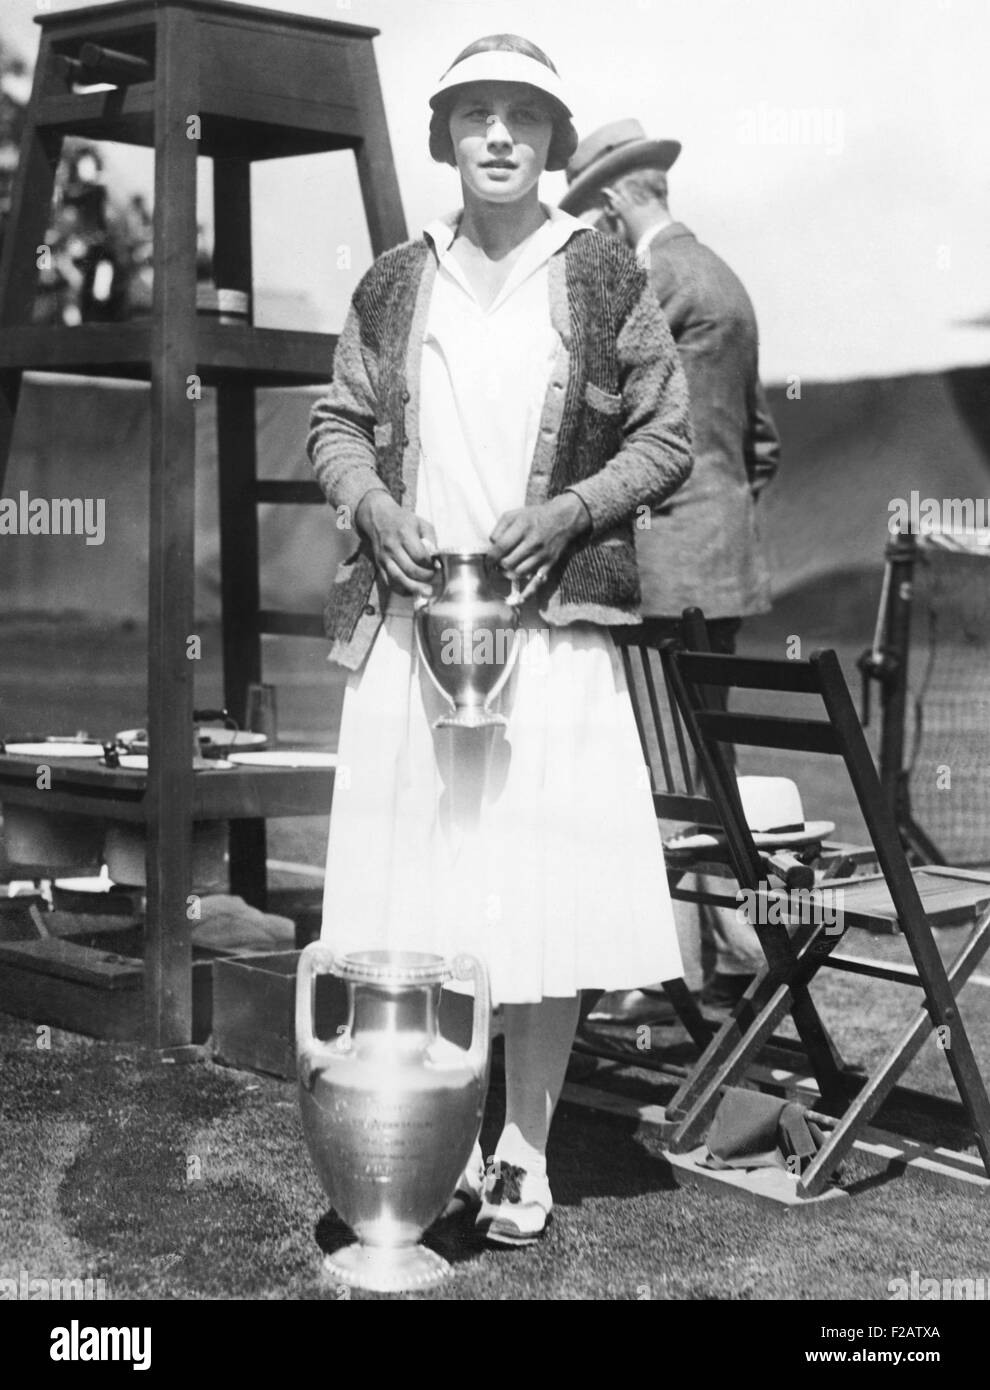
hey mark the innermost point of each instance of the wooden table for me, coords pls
(85, 787)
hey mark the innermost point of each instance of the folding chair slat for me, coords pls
(684, 807)
(634, 701)
(651, 694)
(894, 974)
(675, 718)
(769, 731)
(749, 673)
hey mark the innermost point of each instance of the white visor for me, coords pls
(501, 66)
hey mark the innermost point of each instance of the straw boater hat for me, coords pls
(774, 813)
(608, 153)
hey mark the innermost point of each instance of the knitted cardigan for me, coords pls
(615, 427)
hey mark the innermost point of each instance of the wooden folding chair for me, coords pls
(679, 799)
(915, 899)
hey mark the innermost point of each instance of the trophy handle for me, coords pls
(470, 967)
(317, 959)
(420, 604)
(504, 674)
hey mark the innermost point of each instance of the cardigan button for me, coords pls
(406, 396)
(370, 610)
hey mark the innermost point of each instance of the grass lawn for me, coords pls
(193, 1182)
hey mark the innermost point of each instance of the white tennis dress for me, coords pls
(533, 846)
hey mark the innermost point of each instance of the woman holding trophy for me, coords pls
(505, 385)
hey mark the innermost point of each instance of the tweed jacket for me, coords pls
(615, 425)
(703, 546)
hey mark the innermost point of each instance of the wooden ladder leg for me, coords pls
(239, 578)
(375, 166)
(169, 797)
(237, 451)
(959, 1055)
(10, 391)
(27, 223)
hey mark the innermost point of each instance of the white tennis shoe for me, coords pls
(515, 1205)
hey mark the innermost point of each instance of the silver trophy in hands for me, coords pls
(468, 637)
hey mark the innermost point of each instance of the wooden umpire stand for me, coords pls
(236, 84)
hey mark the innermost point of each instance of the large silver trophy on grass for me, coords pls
(468, 637)
(390, 1109)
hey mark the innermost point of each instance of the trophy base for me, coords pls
(386, 1271)
(471, 717)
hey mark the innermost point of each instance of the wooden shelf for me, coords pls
(264, 356)
(125, 115)
(79, 787)
(122, 14)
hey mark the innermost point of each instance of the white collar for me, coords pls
(544, 242)
(646, 241)
(558, 229)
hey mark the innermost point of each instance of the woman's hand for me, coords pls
(527, 543)
(403, 544)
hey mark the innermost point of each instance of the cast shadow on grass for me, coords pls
(134, 1191)
(454, 1237)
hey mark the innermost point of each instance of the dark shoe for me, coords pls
(631, 1007)
(515, 1205)
(723, 992)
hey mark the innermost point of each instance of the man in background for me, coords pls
(703, 547)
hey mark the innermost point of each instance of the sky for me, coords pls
(835, 154)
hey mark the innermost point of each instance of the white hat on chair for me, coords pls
(774, 813)
(772, 806)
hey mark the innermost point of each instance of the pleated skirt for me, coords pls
(533, 846)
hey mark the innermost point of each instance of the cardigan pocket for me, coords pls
(602, 574)
(349, 594)
(603, 401)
